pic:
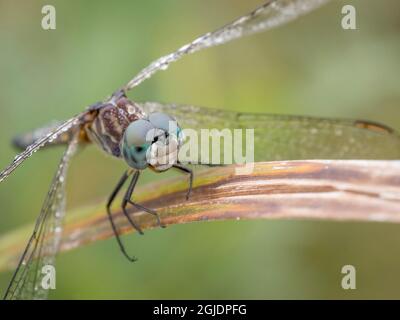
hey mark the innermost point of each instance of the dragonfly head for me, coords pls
(153, 141)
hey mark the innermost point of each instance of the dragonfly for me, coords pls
(121, 127)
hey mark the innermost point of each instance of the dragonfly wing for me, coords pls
(284, 137)
(49, 137)
(43, 245)
(271, 14)
(22, 141)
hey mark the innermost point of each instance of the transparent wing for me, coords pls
(43, 245)
(49, 137)
(271, 14)
(22, 141)
(282, 137)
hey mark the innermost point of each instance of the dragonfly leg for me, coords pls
(190, 172)
(109, 203)
(127, 199)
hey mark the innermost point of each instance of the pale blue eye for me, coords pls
(137, 132)
(141, 134)
(136, 143)
(164, 122)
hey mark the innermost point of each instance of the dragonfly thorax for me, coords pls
(110, 122)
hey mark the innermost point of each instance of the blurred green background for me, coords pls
(311, 66)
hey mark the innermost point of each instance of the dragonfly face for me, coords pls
(154, 142)
(122, 129)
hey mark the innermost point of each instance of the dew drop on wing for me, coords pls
(164, 66)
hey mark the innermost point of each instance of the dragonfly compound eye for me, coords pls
(167, 124)
(150, 143)
(137, 139)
